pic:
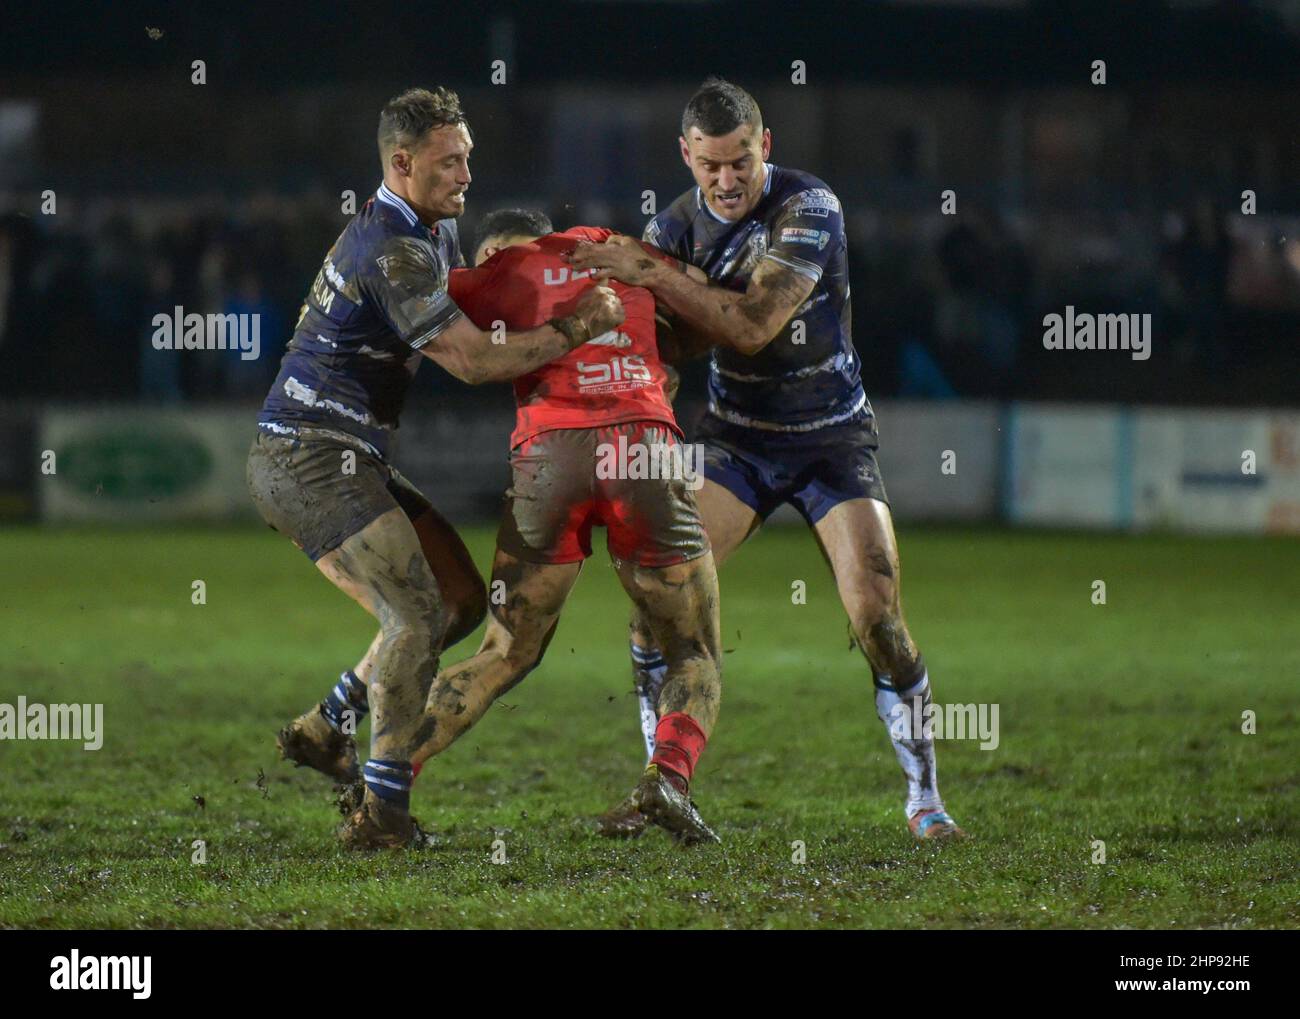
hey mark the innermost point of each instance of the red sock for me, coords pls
(679, 741)
(415, 770)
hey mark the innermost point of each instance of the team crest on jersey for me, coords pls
(755, 250)
(815, 202)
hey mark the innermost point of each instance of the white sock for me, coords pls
(915, 751)
(649, 670)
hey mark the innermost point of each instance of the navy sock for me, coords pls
(348, 695)
(390, 781)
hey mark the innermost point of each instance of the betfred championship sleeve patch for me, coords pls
(799, 235)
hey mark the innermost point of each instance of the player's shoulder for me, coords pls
(386, 214)
(386, 229)
(379, 225)
(672, 223)
(394, 258)
(797, 191)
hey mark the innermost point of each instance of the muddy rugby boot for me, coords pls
(311, 741)
(661, 803)
(624, 820)
(377, 825)
(934, 825)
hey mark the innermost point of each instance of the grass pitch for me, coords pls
(1119, 722)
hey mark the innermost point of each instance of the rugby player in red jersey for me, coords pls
(595, 443)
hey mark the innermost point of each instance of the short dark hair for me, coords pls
(719, 107)
(512, 223)
(407, 118)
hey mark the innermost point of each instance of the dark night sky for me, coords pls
(275, 45)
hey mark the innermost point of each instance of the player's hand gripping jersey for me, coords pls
(614, 378)
(608, 395)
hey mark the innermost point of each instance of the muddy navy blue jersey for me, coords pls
(809, 376)
(380, 296)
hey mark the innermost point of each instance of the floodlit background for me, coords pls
(1111, 557)
(1122, 198)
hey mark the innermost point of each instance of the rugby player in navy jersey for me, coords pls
(788, 420)
(319, 469)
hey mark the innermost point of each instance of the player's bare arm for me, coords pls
(747, 321)
(474, 356)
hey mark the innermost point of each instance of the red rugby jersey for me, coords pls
(610, 379)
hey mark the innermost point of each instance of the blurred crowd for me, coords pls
(79, 291)
(944, 306)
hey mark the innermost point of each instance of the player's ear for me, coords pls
(686, 151)
(767, 143)
(401, 162)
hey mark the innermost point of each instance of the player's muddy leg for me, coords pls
(857, 538)
(518, 633)
(679, 605)
(464, 596)
(463, 592)
(384, 569)
(323, 737)
(728, 523)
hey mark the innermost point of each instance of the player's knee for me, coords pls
(881, 562)
(694, 656)
(883, 635)
(466, 610)
(523, 658)
(870, 612)
(415, 614)
(518, 655)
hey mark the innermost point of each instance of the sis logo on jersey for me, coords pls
(617, 375)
